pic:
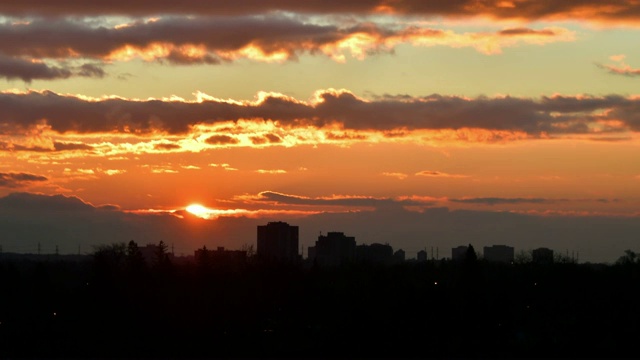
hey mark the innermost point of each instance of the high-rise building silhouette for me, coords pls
(542, 256)
(399, 256)
(499, 253)
(278, 241)
(333, 249)
(422, 255)
(459, 253)
(375, 253)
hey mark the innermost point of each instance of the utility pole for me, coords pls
(57, 250)
(38, 248)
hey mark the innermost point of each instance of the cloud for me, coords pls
(221, 140)
(548, 115)
(12, 68)
(620, 68)
(112, 172)
(348, 201)
(16, 180)
(266, 139)
(91, 70)
(397, 175)
(224, 166)
(37, 203)
(216, 40)
(275, 171)
(166, 146)
(27, 71)
(109, 207)
(70, 146)
(163, 170)
(526, 31)
(440, 174)
(611, 11)
(57, 147)
(500, 201)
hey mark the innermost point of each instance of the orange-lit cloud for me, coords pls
(54, 127)
(501, 201)
(221, 140)
(370, 202)
(224, 166)
(620, 68)
(439, 174)
(273, 171)
(397, 175)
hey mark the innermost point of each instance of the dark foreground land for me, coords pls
(103, 308)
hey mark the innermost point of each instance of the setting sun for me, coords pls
(197, 210)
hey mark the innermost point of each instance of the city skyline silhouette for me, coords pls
(290, 178)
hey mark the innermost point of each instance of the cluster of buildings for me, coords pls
(279, 241)
(503, 254)
(496, 253)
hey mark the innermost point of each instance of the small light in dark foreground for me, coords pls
(54, 314)
(435, 283)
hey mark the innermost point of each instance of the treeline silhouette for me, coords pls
(115, 304)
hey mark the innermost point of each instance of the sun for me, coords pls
(197, 210)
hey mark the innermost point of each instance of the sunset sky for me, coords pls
(415, 123)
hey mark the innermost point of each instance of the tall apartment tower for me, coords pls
(499, 253)
(278, 241)
(333, 249)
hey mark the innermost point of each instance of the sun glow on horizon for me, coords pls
(198, 210)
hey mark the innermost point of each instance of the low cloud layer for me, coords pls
(501, 201)
(347, 201)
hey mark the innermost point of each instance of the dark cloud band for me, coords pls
(537, 117)
(15, 180)
(607, 10)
